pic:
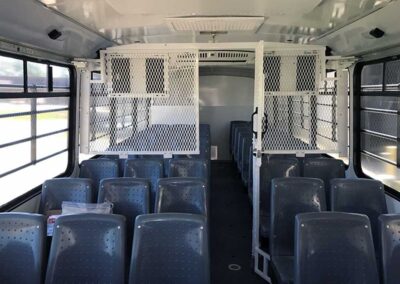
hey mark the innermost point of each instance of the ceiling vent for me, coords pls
(225, 57)
(214, 24)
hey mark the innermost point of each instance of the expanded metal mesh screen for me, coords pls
(299, 106)
(148, 103)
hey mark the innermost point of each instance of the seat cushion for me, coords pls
(264, 224)
(283, 268)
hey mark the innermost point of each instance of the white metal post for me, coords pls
(257, 160)
(84, 111)
(350, 172)
(77, 118)
(342, 85)
(258, 103)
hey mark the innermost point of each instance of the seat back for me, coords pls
(55, 191)
(160, 158)
(121, 162)
(250, 174)
(205, 150)
(242, 136)
(188, 168)
(22, 247)
(389, 226)
(334, 246)
(325, 169)
(204, 131)
(274, 167)
(87, 248)
(232, 128)
(289, 197)
(98, 169)
(246, 154)
(181, 195)
(151, 169)
(170, 248)
(363, 196)
(130, 197)
(236, 142)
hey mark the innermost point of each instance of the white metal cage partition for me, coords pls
(145, 102)
(302, 108)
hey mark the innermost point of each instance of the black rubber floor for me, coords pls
(230, 222)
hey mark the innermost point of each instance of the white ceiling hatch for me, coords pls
(214, 24)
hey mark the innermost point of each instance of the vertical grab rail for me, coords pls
(259, 78)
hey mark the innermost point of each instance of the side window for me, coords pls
(34, 124)
(379, 133)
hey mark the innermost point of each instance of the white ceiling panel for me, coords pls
(127, 21)
(88, 25)
(28, 22)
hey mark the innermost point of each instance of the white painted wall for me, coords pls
(223, 99)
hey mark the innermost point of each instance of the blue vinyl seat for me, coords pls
(232, 128)
(151, 169)
(236, 141)
(389, 228)
(130, 197)
(289, 197)
(335, 248)
(273, 167)
(170, 248)
(182, 195)
(363, 196)
(189, 168)
(121, 161)
(198, 168)
(247, 153)
(98, 169)
(165, 161)
(325, 169)
(88, 248)
(242, 136)
(55, 191)
(22, 248)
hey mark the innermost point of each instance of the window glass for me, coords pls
(392, 76)
(51, 103)
(379, 121)
(52, 144)
(51, 121)
(27, 161)
(37, 77)
(15, 156)
(372, 78)
(11, 74)
(17, 128)
(60, 79)
(12, 106)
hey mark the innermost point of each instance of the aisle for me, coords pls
(230, 227)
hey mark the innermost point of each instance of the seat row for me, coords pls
(296, 195)
(129, 197)
(276, 166)
(240, 147)
(92, 248)
(147, 168)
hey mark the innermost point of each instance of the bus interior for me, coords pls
(199, 141)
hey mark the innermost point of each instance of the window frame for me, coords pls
(357, 109)
(70, 130)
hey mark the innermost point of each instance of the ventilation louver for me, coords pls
(225, 57)
(214, 24)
